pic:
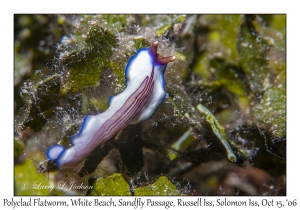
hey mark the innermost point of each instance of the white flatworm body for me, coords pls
(144, 92)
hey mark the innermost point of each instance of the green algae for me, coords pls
(28, 180)
(271, 112)
(114, 185)
(86, 64)
(162, 187)
(169, 23)
(218, 130)
(43, 96)
(252, 51)
(18, 148)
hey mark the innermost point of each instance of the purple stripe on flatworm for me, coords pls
(127, 112)
(134, 109)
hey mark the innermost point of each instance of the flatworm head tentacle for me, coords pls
(159, 58)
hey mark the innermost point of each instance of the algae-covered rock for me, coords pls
(117, 22)
(167, 23)
(182, 104)
(42, 97)
(161, 187)
(86, 64)
(29, 182)
(18, 148)
(111, 185)
(229, 76)
(253, 49)
(228, 27)
(271, 112)
(223, 34)
(115, 185)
